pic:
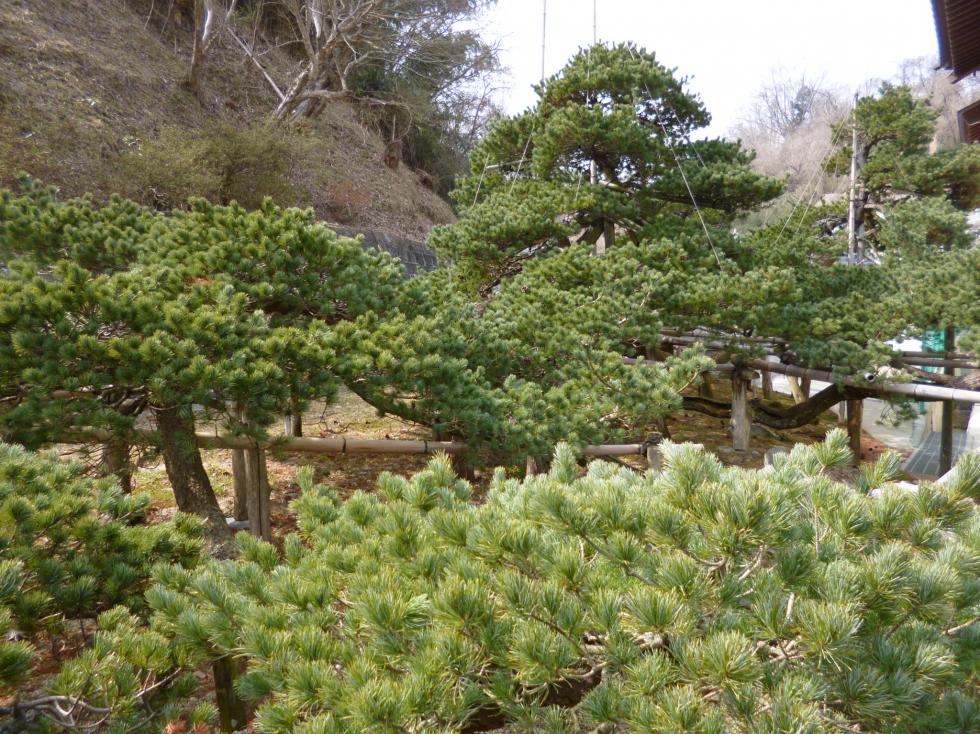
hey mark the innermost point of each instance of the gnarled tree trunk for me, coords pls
(182, 458)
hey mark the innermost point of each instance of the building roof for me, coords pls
(958, 29)
(969, 118)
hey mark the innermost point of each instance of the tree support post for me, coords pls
(705, 389)
(766, 384)
(741, 418)
(949, 407)
(239, 476)
(293, 424)
(799, 387)
(855, 418)
(653, 457)
(239, 473)
(259, 521)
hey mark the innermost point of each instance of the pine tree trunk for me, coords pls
(231, 709)
(182, 458)
(855, 418)
(115, 462)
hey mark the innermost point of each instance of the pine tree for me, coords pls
(619, 109)
(109, 312)
(697, 598)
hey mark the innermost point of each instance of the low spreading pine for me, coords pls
(699, 598)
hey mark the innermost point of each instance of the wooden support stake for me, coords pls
(705, 389)
(292, 424)
(772, 453)
(254, 498)
(115, 462)
(796, 389)
(767, 385)
(531, 467)
(265, 497)
(239, 476)
(855, 416)
(949, 408)
(653, 458)
(741, 420)
(231, 709)
(239, 472)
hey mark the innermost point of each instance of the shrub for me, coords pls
(222, 163)
(700, 598)
(72, 548)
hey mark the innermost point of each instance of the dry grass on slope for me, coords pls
(86, 85)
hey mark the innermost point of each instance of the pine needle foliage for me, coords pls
(698, 598)
(73, 549)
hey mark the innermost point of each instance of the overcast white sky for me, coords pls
(728, 48)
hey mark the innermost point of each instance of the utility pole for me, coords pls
(593, 169)
(852, 208)
(544, 32)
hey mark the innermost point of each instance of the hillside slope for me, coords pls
(85, 83)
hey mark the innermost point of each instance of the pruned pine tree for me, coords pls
(210, 313)
(697, 598)
(73, 549)
(615, 110)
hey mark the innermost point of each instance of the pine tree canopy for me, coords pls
(698, 598)
(615, 107)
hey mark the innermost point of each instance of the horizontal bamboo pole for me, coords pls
(929, 362)
(941, 355)
(912, 389)
(341, 445)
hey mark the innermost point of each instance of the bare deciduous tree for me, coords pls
(341, 38)
(209, 16)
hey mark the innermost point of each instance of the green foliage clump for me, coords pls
(72, 548)
(697, 598)
(221, 162)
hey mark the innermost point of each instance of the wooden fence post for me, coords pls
(741, 420)
(855, 417)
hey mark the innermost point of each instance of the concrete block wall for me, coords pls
(416, 257)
